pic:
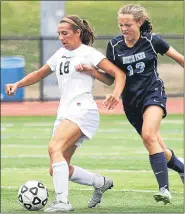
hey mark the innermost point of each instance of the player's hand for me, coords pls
(83, 68)
(11, 89)
(111, 101)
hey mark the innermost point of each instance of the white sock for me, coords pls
(84, 177)
(60, 180)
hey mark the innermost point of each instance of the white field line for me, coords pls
(26, 136)
(82, 149)
(90, 189)
(7, 125)
(24, 156)
(111, 156)
(102, 170)
(166, 121)
(115, 130)
(110, 137)
(131, 130)
(24, 146)
(101, 130)
(30, 146)
(41, 170)
(38, 124)
(5, 129)
(173, 121)
(45, 136)
(136, 138)
(115, 156)
(4, 124)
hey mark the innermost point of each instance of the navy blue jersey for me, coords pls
(140, 66)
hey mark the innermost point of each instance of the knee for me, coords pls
(55, 147)
(149, 138)
(52, 148)
(168, 154)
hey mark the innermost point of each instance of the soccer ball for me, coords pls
(33, 195)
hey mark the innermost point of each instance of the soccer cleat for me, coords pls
(163, 195)
(59, 206)
(98, 193)
(181, 174)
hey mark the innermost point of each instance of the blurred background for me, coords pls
(29, 33)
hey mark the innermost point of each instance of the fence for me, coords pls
(31, 49)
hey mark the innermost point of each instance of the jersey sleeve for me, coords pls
(109, 52)
(52, 61)
(160, 45)
(110, 57)
(96, 56)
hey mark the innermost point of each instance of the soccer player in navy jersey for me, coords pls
(143, 97)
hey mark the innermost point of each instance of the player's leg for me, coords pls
(85, 177)
(78, 174)
(151, 122)
(89, 123)
(67, 155)
(174, 163)
(64, 138)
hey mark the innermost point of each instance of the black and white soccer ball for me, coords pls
(33, 195)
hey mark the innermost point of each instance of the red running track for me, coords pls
(174, 106)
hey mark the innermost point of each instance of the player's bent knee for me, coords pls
(149, 138)
(58, 151)
(53, 150)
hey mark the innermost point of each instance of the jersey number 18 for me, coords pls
(65, 68)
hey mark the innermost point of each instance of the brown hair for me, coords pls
(139, 14)
(87, 34)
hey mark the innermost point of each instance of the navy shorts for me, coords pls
(135, 115)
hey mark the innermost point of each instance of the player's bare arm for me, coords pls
(95, 73)
(29, 79)
(120, 78)
(117, 73)
(175, 55)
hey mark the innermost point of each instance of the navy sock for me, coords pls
(175, 163)
(159, 166)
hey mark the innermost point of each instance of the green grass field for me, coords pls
(116, 151)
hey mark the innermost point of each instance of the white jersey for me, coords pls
(74, 85)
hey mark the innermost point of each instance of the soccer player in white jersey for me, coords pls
(77, 116)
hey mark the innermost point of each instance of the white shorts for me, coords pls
(87, 120)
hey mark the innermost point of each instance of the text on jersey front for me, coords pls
(133, 58)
